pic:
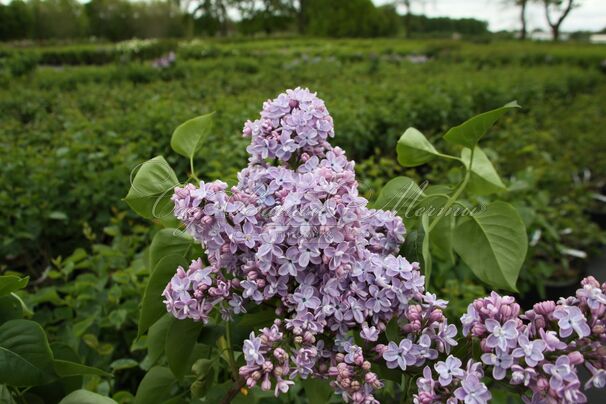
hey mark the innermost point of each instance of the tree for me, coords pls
(408, 14)
(264, 15)
(211, 15)
(561, 7)
(16, 21)
(523, 28)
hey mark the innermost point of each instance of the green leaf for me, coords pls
(156, 386)
(180, 342)
(152, 307)
(151, 189)
(484, 177)
(57, 215)
(67, 368)
(400, 194)
(10, 308)
(440, 240)
(156, 339)
(493, 243)
(169, 242)
(317, 391)
(11, 283)
(189, 137)
(86, 397)
(25, 356)
(425, 249)
(413, 247)
(210, 333)
(414, 149)
(471, 131)
(392, 331)
(252, 321)
(124, 363)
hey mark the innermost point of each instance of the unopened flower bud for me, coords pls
(542, 384)
(266, 384)
(576, 358)
(268, 366)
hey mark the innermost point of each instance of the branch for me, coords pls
(567, 10)
(233, 392)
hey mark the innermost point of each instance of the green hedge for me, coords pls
(71, 136)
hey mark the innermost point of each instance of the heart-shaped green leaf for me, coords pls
(156, 386)
(11, 283)
(189, 137)
(169, 242)
(414, 149)
(25, 356)
(484, 178)
(152, 307)
(180, 342)
(493, 243)
(151, 189)
(400, 195)
(471, 131)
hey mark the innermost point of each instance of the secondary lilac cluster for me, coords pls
(193, 294)
(452, 383)
(165, 61)
(353, 376)
(541, 349)
(267, 360)
(427, 334)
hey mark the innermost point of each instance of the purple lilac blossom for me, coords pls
(295, 233)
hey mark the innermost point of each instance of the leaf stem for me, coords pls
(191, 168)
(452, 199)
(230, 352)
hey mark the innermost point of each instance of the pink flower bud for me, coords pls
(598, 329)
(370, 378)
(545, 308)
(542, 384)
(266, 384)
(576, 358)
(436, 316)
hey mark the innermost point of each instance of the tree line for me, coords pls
(123, 19)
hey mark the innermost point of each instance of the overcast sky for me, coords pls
(590, 16)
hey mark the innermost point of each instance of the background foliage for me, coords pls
(76, 119)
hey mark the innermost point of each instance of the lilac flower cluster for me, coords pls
(541, 349)
(294, 123)
(294, 234)
(193, 294)
(427, 334)
(266, 360)
(294, 230)
(165, 61)
(454, 384)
